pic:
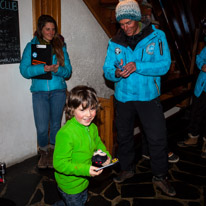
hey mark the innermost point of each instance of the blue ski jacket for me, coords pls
(152, 58)
(200, 85)
(58, 79)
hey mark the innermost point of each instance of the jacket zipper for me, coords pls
(142, 54)
(160, 46)
(146, 44)
(89, 137)
(158, 91)
(48, 84)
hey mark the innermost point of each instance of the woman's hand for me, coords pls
(93, 172)
(51, 68)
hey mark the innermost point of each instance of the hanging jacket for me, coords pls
(200, 85)
(74, 148)
(152, 58)
(58, 79)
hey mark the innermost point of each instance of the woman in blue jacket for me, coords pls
(48, 95)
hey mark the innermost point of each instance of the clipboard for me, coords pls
(41, 54)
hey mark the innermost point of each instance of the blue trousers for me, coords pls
(153, 123)
(48, 109)
(72, 200)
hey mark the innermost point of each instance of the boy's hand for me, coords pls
(106, 162)
(93, 172)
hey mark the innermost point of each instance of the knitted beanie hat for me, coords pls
(128, 9)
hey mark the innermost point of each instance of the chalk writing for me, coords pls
(9, 32)
(9, 5)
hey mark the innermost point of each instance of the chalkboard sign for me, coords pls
(9, 32)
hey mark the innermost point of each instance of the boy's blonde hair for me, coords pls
(82, 95)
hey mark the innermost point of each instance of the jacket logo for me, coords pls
(117, 51)
(150, 48)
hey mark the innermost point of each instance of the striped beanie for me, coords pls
(128, 9)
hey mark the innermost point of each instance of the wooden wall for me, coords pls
(50, 7)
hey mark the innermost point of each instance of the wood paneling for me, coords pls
(104, 13)
(105, 122)
(50, 7)
(109, 1)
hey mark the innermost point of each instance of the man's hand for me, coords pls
(128, 69)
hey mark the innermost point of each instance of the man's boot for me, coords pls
(190, 142)
(123, 175)
(163, 184)
(50, 158)
(203, 155)
(42, 164)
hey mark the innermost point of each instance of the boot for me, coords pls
(42, 164)
(123, 176)
(50, 158)
(203, 155)
(190, 142)
(163, 184)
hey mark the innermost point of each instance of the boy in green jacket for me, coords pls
(75, 144)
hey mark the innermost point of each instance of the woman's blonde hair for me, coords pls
(82, 95)
(57, 42)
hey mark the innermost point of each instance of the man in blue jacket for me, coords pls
(137, 57)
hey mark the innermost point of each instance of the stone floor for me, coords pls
(27, 185)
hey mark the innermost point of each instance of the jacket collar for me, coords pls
(73, 120)
(122, 39)
(35, 40)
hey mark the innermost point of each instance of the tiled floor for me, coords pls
(26, 185)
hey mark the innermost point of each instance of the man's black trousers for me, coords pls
(153, 123)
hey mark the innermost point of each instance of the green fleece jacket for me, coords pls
(74, 148)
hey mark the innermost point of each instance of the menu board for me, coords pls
(9, 32)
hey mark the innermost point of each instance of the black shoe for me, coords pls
(164, 185)
(123, 175)
(173, 158)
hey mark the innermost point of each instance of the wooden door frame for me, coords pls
(52, 8)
